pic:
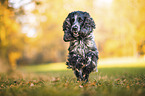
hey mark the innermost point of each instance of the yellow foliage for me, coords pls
(13, 57)
(120, 29)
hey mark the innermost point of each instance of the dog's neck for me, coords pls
(82, 38)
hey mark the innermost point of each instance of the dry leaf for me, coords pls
(127, 87)
(117, 79)
(55, 79)
(31, 84)
(80, 86)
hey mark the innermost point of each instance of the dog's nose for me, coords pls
(75, 28)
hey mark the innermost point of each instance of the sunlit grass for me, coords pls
(45, 67)
(103, 63)
(121, 62)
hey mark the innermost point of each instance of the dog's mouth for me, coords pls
(75, 30)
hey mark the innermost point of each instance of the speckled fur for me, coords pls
(83, 54)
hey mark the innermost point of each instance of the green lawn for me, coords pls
(107, 82)
(103, 63)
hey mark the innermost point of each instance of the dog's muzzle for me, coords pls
(75, 30)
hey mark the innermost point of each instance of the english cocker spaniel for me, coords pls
(83, 54)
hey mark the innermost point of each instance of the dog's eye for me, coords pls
(80, 19)
(73, 19)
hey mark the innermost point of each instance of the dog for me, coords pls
(83, 54)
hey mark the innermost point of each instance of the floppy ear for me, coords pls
(66, 28)
(88, 25)
(89, 22)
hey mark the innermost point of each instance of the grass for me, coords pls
(108, 81)
(56, 80)
(44, 67)
(103, 63)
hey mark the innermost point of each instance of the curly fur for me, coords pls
(83, 54)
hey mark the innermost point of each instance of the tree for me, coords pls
(10, 38)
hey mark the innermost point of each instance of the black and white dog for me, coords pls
(83, 53)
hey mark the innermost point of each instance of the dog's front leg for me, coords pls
(92, 58)
(91, 62)
(79, 74)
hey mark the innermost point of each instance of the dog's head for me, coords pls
(79, 24)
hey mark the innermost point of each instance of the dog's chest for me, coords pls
(78, 47)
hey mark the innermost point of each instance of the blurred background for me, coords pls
(31, 30)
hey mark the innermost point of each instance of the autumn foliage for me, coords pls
(31, 32)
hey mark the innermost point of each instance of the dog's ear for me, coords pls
(89, 21)
(66, 24)
(66, 28)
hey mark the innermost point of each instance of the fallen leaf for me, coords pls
(34, 81)
(80, 86)
(117, 79)
(93, 84)
(127, 87)
(11, 85)
(55, 79)
(31, 84)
